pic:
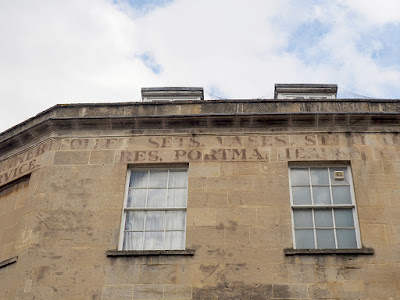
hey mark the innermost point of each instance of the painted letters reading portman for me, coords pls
(204, 148)
(22, 164)
(240, 148)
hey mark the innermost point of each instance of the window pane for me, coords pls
(155, 220)
(341, 194)
(134, 220)
(302, 218)
(301, 195)
(133, 241)
(156, 198)
(317, 223)
(299, 176)
(346, 238)
(177, 198)
(153, 240)
(147, 223)
(344, 218)
(174, 240)
(321, 195)
(323, 218)
(346, 175)
(178, 179)
(325, 239)
(128, 221)
(305, 239)
(158, 178)
(319, 176)
(175, 220)
(138, 179)
(136, 198)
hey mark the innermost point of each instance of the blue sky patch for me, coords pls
(303, 42)
(382, 45)
(216, 93)
(144, 6)
(150, 62)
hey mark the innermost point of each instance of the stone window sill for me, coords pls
(9, 261)
(362, 251)
(114, 253)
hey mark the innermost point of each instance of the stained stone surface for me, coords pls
(62, 191)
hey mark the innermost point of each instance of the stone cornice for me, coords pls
(347, 114)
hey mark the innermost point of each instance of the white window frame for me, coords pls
(126, 209)
(305, 96)
(332, 206)
(169, 99)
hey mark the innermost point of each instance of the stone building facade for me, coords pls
(243, 219)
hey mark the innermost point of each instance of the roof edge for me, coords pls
(201, 107)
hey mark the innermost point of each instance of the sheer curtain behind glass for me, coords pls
(324, 215)
(155, 210)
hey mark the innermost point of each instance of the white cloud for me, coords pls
(92, 51)
(375, 12)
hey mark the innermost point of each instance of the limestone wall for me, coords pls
(238, 218)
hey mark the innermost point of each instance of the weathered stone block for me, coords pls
(237, 183)
(197, 185)
(208, 169)
(205, 235)
(178, 291)
(236, 235)
(234, 169)
(117, 292)
(232, 217)
(71, 158)
(284, 291)
(201, 217)
(361, 167)
(291, 273)
(391, 167)
(148, 291)
(394, 196)
(353, 285)
(267, 236)
(325, 291)
(371, 214)
(233, 291)
(121, 274)
(201, 199)
(253, 197)
(382, 291)
(156, 274)
(273, 215)
(373, 234)
(387, 154)
(101, 157)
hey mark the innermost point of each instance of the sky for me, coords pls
(58, 52)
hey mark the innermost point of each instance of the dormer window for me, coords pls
(305, 91)
(165, 94)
